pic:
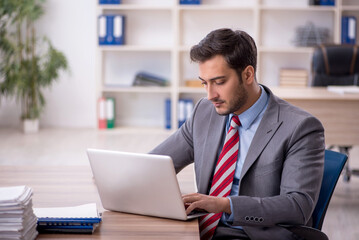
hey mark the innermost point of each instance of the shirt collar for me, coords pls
(247, 117)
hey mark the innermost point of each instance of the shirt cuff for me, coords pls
(230, 216)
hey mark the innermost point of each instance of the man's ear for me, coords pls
(248, 75)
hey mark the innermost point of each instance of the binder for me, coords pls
(181, 112)
(349, 30)
(110, 112)
(189, 107)
(168, 113)
(185, 108)
(101, 113)
(195, 2)
(327, 2)
(111, 29)
(109, 1)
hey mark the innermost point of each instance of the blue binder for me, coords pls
(349, 30)
(327, 2)
(109, 1)
(111, 29)
(168, 113)
(194, 2)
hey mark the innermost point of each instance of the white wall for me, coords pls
(71, 101)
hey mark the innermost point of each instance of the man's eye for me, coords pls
(219, 82)
(204, 83)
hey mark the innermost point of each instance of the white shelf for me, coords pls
(110, 7)
(114, 89)
(134, 48)
(160, 33)
(192, 90)
(306, 50)
(350, 8)
(300, 8)
(215, 7)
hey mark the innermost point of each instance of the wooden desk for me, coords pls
(62, 186)
(339, 113)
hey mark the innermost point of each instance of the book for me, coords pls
(149, 79)
(78, 219)
(195, 2)
(168, 118)
(327, 2)
(293, 77)
(344, 89)
(109, 1)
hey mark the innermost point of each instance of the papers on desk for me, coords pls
(344, 89)
(79, 219)
(17, 219)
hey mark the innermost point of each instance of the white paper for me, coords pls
(82, 211)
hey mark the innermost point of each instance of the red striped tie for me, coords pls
(222, 178)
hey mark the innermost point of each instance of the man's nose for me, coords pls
(211, 92)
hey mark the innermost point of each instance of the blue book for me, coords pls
(190, 2)
(168, 113)
(327, 2)
(83, 218)
(349, 30)
(111, 29)
(109, 1)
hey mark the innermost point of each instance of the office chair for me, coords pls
(336, 65)
(333, 165)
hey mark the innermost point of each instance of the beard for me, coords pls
(239, 100)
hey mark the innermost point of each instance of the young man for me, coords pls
(258, 160)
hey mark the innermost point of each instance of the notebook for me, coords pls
(144, 184)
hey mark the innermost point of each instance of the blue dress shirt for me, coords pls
(250, 120)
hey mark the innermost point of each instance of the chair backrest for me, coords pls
(335, 65)
(333, 166)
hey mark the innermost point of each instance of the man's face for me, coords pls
(223, 86)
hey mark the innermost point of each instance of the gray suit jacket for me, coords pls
(281, 175)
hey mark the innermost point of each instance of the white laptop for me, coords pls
(143, 184)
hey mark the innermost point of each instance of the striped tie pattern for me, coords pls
(222, 178)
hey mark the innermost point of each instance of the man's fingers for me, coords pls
(190, 198)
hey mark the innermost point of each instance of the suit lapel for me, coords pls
(211, 145)
(267, 128)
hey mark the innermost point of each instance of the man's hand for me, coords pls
(208, 203)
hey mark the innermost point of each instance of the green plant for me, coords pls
(27, 63)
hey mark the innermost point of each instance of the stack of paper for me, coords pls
(344, 89)
(79, 219)
(17, 220)
(293, 78)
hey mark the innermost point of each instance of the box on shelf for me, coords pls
(111, 29)
(193, 83)
(293, 77)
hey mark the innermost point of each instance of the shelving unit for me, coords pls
(159, 34)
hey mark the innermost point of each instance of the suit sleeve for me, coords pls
(301, 176)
